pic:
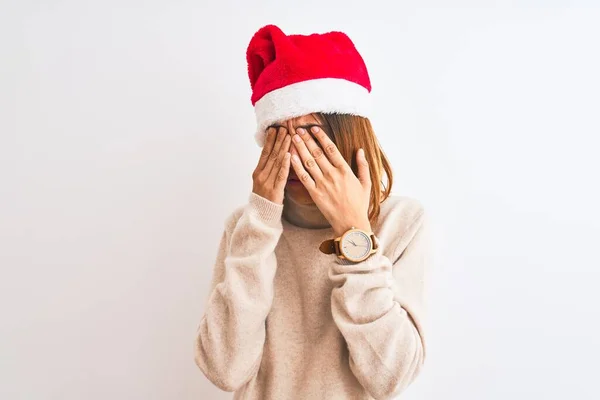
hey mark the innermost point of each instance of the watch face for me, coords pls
(355, 245)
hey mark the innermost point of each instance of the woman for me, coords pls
(293, 313)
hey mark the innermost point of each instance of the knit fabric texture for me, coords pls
(284, 321)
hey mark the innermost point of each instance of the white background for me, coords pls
(126, 138)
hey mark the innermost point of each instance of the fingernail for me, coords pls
(300, 131)
(295, 158)
(296, 138)
(314, 129)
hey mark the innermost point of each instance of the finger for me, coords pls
(316, 151)
(281, 134)
(266, 150)
(284, 171)
(330, 149)
(302, 174)
(307, 159)
(292, 152)
(363, 169)
(283, 149)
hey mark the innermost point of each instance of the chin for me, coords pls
(299, 195)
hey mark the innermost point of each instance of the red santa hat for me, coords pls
(295, 75)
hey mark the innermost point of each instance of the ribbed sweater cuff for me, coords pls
(267, 210)
(371, 261)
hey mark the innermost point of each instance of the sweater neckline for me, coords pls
(294, 227)
(304, 216)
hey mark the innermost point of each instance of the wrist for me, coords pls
(340, 228)
(267, 210)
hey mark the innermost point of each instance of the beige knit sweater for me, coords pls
(285, 321)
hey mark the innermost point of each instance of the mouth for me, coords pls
(293, 179)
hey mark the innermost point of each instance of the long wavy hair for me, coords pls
(351, 132)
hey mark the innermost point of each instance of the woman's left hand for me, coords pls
(341, 197)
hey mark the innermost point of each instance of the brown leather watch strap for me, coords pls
(328, 246)
(331, 246)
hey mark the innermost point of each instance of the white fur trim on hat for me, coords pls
(328, 95)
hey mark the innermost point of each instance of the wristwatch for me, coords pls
(354, 245)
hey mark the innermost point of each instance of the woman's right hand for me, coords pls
(271, 173)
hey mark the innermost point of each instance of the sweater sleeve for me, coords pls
(231, 334)
(378, 306)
